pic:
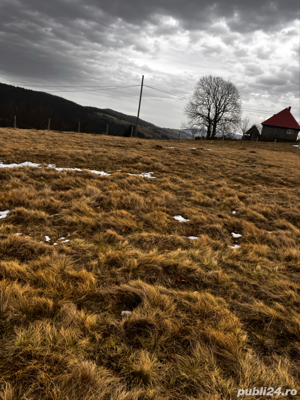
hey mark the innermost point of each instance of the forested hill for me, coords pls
(33, 110)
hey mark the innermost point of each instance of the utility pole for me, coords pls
(138, 114)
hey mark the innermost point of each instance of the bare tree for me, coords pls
(214, 106)
(245, 125)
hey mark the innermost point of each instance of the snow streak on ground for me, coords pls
(14, 165)
(30, 164)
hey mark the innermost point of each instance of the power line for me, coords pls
(85, 89)
(75, 91)
(183, 97)
(171, 94)
(75, 86)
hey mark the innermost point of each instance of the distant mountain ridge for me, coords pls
(34, 108)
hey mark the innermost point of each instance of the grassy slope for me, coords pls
(206, 319)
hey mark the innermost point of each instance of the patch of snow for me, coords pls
(147, 175)
(53, 215)
(180, 218)
(77, 169)
(63, 169)
(236, 246)
(236, 235)
(270, 231)
(19, 234)
(193, 148)
(144, 175)
(119, 170)
(170, 147)
(233, 212)
(3, 214)
(296, 145)
(14, 165)
(65, 241)
(97, 172)
(192, 237)
(30, 164)
(208, 149)
(125, 312)
(62, 238)
(55, 244)
(47, 238)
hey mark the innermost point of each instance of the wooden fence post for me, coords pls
(49, 125)
(131, 131)
(15, 121)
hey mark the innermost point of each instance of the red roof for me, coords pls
(283, 119)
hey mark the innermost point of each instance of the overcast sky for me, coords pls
(67, 46)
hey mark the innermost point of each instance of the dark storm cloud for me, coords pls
(111, 41)
(242, 16)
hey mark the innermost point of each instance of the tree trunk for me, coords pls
(208, 131)
(214, 130)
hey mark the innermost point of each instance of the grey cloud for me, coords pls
(211, 49)
(140, 47)
(271, 81)
(290, 33)
(241, 52)
(257, 14)
(263, 54)
(253, 70)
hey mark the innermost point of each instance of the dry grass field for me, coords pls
(77, 248)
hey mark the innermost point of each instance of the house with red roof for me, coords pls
(282, 126)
